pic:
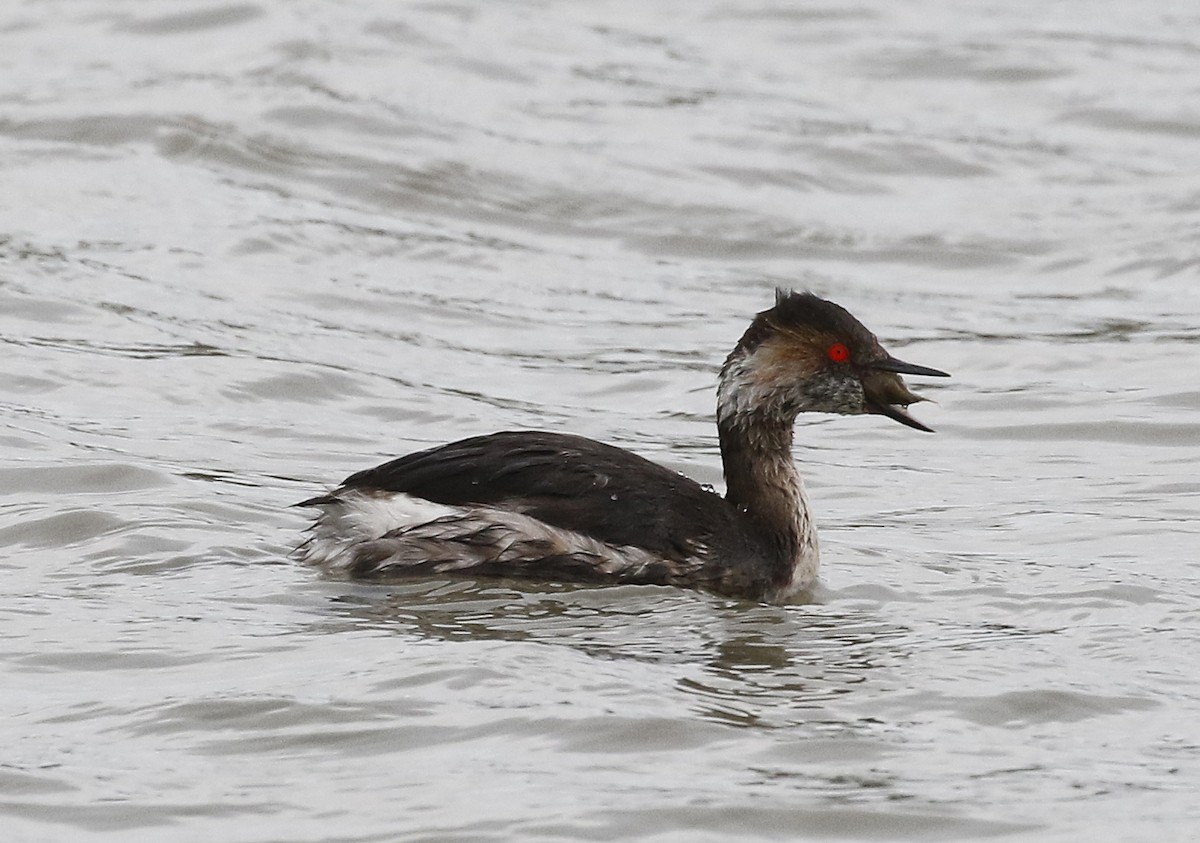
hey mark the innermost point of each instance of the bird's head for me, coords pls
(807, 354)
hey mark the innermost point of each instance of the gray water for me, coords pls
(246, 249)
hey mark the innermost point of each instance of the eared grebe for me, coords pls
(558, 507)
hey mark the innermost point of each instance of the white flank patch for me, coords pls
(358, 516)
(417, 531)
(369, 516)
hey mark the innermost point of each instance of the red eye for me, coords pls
(838, 352)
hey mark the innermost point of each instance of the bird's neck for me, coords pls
(761, 481)
(760, 477)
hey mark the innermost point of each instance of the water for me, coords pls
(248, 248)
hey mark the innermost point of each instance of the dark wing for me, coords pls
(568, 481)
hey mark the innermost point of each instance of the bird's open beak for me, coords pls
(887, 394)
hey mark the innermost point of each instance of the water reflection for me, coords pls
(738, 664)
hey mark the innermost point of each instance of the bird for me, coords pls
(558, 507)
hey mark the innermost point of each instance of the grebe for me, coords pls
(554, 506)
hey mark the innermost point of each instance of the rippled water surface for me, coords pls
(248, 248)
